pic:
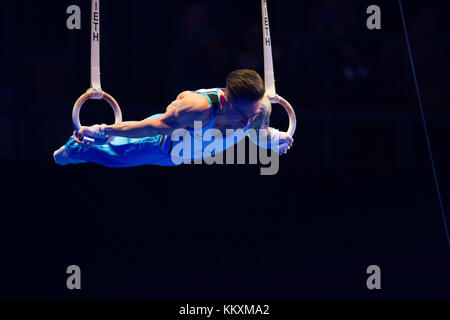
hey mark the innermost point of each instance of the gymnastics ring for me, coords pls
(93, 94)
(290, 111)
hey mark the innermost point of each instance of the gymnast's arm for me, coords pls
(176, 116)
(261, 122)
(181, 113)
(262, 134)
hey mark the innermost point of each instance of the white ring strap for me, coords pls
(269, 77)
(95, 48)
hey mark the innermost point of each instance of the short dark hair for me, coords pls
(246, 84)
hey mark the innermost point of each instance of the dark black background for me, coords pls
(355, 190)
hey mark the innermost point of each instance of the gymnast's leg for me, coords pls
(120, 152)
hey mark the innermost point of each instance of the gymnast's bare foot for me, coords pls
(62, 157)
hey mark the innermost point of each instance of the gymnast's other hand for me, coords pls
(285, 142)
(94, 132)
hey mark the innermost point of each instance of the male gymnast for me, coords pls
(240, 105)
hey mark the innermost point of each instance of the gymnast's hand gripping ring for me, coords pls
(97, 95)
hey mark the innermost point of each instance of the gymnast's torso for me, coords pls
(210, 99)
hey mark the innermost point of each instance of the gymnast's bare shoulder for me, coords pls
(189, 106)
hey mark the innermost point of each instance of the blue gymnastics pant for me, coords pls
(122, 152)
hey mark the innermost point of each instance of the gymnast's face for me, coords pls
(241, 111)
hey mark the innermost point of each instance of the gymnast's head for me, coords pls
(244, 93)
